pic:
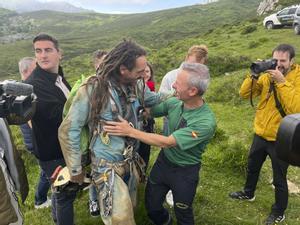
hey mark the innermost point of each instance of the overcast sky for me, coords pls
(129, 6)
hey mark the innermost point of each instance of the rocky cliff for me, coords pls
(267, 5)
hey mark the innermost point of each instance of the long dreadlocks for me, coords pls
(125, 53)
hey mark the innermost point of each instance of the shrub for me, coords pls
(249, 29)
(253, 44)
(225, 62)
(263, 40)
(214, 44)
(209, 31)
(232, 31)
(255, 20)
(235, 155)
(227, 155)
(226, 89)
(220, 135)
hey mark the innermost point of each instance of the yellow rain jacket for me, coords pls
(267, 117)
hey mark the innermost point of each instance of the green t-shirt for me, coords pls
(192, 129)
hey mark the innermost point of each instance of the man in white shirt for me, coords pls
(195, 54)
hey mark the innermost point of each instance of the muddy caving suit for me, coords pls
(116, 167)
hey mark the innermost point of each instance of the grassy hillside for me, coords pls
(6, 12)
(153, 29)
(224, 162)
(12, 24)
(231, 47)
(81, 34)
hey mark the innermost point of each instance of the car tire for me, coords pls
(297, 29)
(270, 25)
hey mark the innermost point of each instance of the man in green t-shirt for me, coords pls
(191, 126)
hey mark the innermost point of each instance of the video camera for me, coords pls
(261, 66)
(17, 102)
(288, 140)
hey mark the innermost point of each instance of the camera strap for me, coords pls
(251, 93)
(277, 102)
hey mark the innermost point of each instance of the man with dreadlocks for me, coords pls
(113, 93)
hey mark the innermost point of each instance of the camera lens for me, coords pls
(261, 66)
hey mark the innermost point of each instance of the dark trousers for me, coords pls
(144, 149)
(182, 181)
(259, 150)
(62, 203)
(42, 189)
(144, 152)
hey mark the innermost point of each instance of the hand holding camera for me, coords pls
(261, 66)
(276, 76)
(270, 66)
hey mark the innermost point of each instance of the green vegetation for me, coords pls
(13, 24)
(5, 13)
(235, 37)
(82, 33)
(286, 3)
(249, 29)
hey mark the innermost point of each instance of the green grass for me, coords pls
(212, 205)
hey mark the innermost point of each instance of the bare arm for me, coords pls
(123, 128)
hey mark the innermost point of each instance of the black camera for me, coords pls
(261, 66)
(287, 145)
(17, 102)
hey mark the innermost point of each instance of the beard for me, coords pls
(128, 81)
(283, 70)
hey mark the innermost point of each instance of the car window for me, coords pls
(283, 12)
(292, 11)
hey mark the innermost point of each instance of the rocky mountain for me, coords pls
(207, 1)
(35, 5)
(267, 6)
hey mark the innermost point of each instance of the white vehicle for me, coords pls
(296, 23)
(284, 17)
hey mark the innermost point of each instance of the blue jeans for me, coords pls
(42, 189)
(62, 203)
(93, 193)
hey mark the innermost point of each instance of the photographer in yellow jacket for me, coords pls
(279, 90)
